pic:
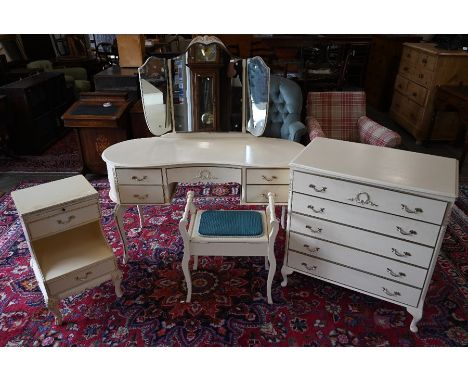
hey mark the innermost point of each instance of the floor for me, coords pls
(9, 181)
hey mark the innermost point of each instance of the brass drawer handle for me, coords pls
(317, 211)
(421, 76)
(363, 198)
(318, 230)
(269, 179)
(415, 94)
(411, 232)
(388, 293)
(417, 210)
(308, 267)
(323, 189)
(311, 250)
(265, 195)
(424, 60)
(70, 218)
(399, 274)
(144, 177)
(400, 254)
(78, 278)
(140, 197)
(405, 69)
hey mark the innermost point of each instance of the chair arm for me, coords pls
(76, 72)
(296, 130)
(372, 133)
(313, 126)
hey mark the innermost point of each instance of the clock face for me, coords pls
(206, 53)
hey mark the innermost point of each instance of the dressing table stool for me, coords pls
(229, 233)
(61, 223)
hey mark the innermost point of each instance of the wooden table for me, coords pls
(454, 98)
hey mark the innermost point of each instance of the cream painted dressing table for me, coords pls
(145, 171)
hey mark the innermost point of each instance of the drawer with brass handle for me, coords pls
(390, 247)
(267, 176)
(355, 279)
(353, 258)
(374, 198)
(363, 218)
(63, 221)
(139, 176)
(141, 194)
(258, 193)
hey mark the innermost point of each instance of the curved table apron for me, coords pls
(146, 171)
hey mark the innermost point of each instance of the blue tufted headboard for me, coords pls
(284, 111)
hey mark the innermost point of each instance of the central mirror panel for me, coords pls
(207, 90)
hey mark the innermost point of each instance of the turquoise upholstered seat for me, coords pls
(231, 223)
(284, 110)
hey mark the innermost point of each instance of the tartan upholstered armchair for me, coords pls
(342, 115)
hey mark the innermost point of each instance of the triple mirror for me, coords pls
(203, 89)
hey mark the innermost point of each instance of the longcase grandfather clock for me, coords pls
(205, 63)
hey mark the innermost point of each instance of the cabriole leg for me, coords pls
(195, 262)
(271, 274)
(119, 218)
(140, 215)
(417, 315)
(185, 269)
(53, 306)
(117, 279)
(285, 272)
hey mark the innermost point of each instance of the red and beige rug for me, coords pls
(229, 305)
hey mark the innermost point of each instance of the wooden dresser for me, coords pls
(422, 68)
(373, 224)
(61, 223)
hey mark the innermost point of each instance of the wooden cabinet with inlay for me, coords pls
(373, 224)
(423, 67)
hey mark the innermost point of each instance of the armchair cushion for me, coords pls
(296, 131)
(372, 133)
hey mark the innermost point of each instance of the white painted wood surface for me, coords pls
(400, 208)
(68, 250)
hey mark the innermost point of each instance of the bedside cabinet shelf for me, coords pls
(61, 223)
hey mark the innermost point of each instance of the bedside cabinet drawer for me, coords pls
(416, 92)
(267, 176)
(258, 194)
(77, 278)
(133, 176)
(409, 55)
(348, 277)
(401, 84)
(204, 174)
(63, 221)
(141, 194)
(353, 258)
(373, 198)
(427, 61)
(391, 225)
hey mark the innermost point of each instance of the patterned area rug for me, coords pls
(63, 156)
(229, 305)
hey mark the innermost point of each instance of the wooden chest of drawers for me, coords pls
(69, 253)
(373, 224)
(422, 68)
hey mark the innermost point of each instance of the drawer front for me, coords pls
(353, 258)
(267, 176)
(427, 61)
(412, 111)
(134, 176)
(81, 276)
(422, 76)
(258, 194)
(141, 194)
(204, 174)
(409, 55)
(373, 198)
(417, 93)
(366, 241)
(356, 279)
(391, 225)
(401, 84)
(406, 68)
(63, 221)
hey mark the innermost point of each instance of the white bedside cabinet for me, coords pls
(370, 219)
(61, 223)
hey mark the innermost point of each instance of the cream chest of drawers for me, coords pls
(369, 219)
(61, 223)
(422, 68)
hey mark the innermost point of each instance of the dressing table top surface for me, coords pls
(236, 149)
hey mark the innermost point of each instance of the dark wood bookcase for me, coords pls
(37, 103)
